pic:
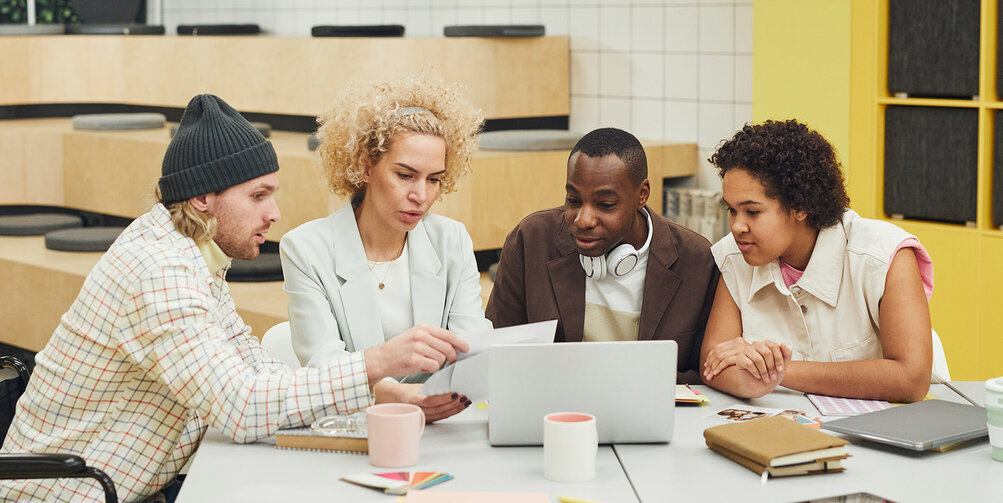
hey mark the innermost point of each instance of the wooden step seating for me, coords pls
(47, 162)
(115, 172)
(40, 284)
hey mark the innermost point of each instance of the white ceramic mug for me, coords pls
(394, 430)
(570, 444)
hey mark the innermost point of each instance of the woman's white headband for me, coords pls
(405, 111)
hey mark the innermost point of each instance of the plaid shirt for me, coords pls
(151, 352)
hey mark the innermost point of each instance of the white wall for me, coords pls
(671, 70)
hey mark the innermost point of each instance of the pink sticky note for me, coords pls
(417, 496)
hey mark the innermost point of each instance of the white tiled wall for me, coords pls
(663, 69)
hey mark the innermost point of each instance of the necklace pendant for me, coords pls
(381, 286)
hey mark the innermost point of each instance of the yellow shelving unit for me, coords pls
(848, 105)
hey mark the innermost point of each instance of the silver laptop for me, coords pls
(919, 426)
(628, 386)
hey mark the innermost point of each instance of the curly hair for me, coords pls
(367, 118)
(795, 164)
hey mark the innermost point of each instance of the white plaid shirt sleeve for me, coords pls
(173, 334)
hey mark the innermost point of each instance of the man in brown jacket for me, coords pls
(604, 265)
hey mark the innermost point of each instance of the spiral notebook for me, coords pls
(308, 439)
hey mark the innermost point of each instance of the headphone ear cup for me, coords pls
(622, 260)
(595, 267)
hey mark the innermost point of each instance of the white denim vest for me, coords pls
(831, 313)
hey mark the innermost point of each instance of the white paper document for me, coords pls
(469, 375)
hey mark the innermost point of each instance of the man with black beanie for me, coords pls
(152, 351)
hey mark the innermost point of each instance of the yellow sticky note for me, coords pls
(569, 499)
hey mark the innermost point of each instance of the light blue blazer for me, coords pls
(332, 294)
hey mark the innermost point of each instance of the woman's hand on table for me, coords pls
(435, 407)
(763, 360)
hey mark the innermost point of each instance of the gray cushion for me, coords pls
(371, 30)
(495, 30)
(264, 128)
(312, 141)
(112, 122)
(37, 224)
(218, 29)
(84, 239)
(529, 139)
(267, 267)
(114, 29)
(38, 29)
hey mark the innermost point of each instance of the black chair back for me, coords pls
(11, 389)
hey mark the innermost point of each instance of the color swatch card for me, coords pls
(836, 406)
(397, 482)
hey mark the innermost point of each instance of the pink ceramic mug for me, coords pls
(394, 430)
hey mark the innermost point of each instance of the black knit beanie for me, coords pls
(214, 148)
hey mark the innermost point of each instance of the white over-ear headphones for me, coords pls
(619, 261)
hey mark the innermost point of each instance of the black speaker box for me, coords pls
(933, 48)
(931, 162)
(998, 169)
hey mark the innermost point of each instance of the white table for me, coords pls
(224, 471)
(686, 470)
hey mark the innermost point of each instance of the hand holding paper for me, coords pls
(469, 375)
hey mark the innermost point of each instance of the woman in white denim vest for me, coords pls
(812, 296)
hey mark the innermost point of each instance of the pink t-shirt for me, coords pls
(923, 260)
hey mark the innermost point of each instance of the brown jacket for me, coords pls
(540, 278)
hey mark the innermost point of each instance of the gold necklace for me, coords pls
(372, 267)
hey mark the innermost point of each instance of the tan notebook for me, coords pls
(811, 467)
(774, 443)
(308, 439)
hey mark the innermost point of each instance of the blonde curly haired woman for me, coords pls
(383, 265)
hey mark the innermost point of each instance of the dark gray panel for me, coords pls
(931, 162)
(933, 47)
(998, 169)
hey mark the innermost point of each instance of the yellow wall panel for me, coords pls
(801, 65)
(868, 77)
(990, 295)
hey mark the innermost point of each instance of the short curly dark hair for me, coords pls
(795, 165)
